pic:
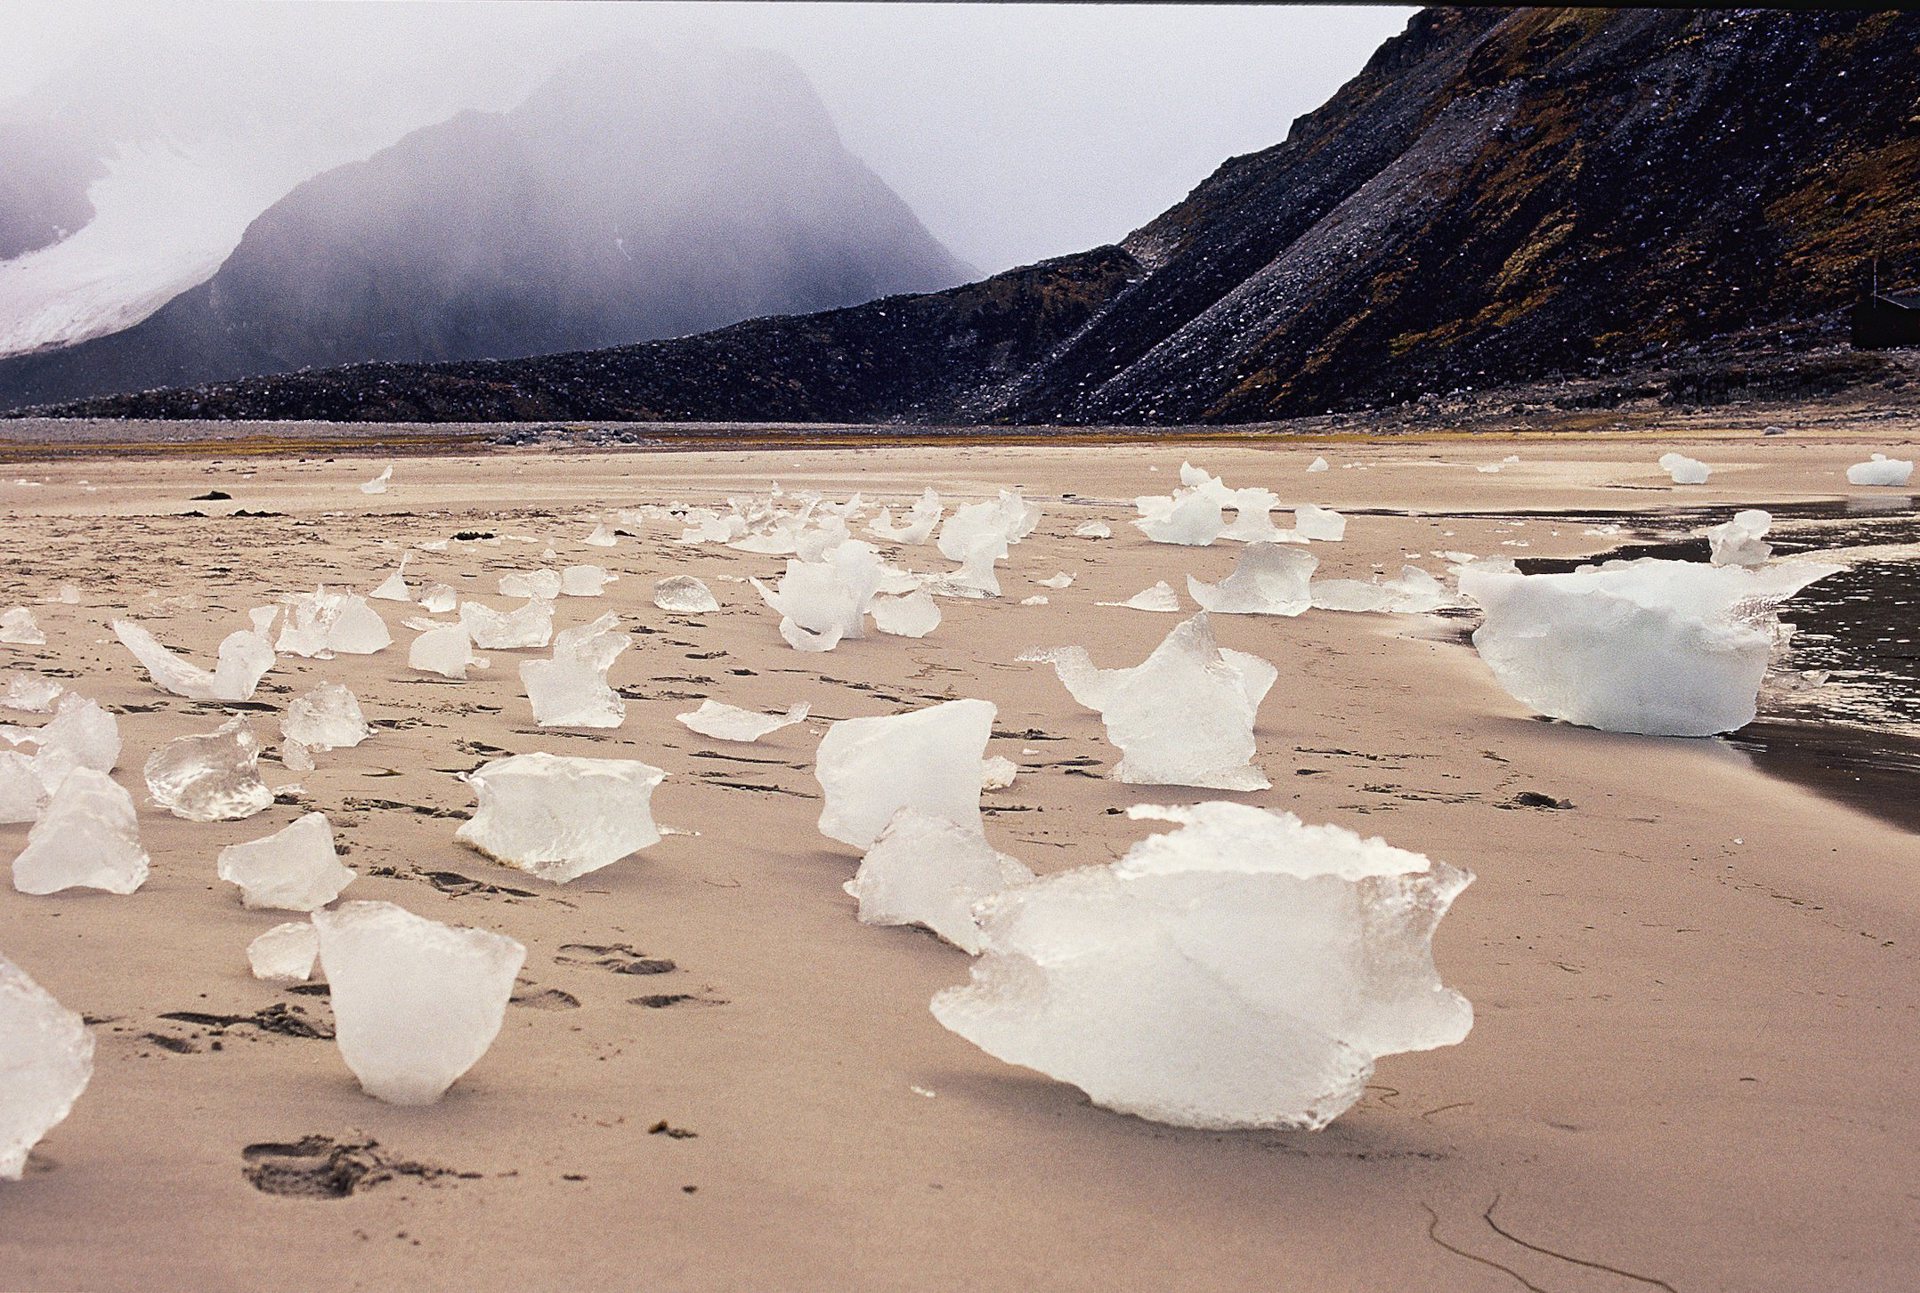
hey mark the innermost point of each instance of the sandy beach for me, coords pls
(1696, 990)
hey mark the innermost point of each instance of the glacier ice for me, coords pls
(1268, 579)
(912, 616)
(1684, 470)
(1413, 592)
(446, 650)
(685, 595)
(999, 522)
(81, 733)
(29, 693)
(87, 837)
(998, 772)
(1093, 530)
(1881, 470)
(438, 599)
(23, 797)
(560, 817)
(210, 777)
(585, 581)
(1182, 717)
(244, 658)
(823, 602)
(46, 1058)
(285, 953)
(1242, 971)
(602, 536)
(321, 624)
(394, 587)
(415, 1003)
(1160, 597)
(293, 869)
(1663, 648)
(1059, 580)
(326, 718)
(1190, 518)
(926, 870)
(1319, 464)
(525, 626)
(926, 759)
(19, 628)
(541, 585)
(1319, 523)
(915, 527)
(1038, 599)
(378, 485)
(571, 688)
(1739, 542)
(729, 723)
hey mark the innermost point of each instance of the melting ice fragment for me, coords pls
(378, 485)
(1684, 470)
(912, 616)
(1243, 971)
(88, 837)
(728, 723)
(1880, 470)
(438, 599)
(1319, 464)
(394, 587)
(211, 777)
(1320, 523)
(1664, 648)
(415, 1002)
(326, 718)
(998, 772)
(244, 658)
(1160, 597)
(1414, 592)
(446, 650)
(560, 817)
(925, 870)
(320, 624)
(928, 759)
(526, 626)
(29, 693)
(916, 527)
(285, 953)
(542, 585)
(22, 796)
(46, 1057)
(1268, 579)
(1738, 542)
(1093, 530)
(684, 594)
(585, 581)
(293, 869)
(19, 628)
(602, 536)
(1190, 518)
(571, 689)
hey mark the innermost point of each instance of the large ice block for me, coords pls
(571, 688)
(927, 759)
(293, 869)
(87, 837)
(210, 777)
(46, 1061)
(326, 718)
(560, 817)
(928, 871)
(244, 658)
(1268, 579)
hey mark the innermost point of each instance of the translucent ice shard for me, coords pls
(321, 624)
(685, 595)
(928, 759)
(23, 797)
(29, 693)
(394, 587)
(415, 1003)
(602, 536)
(1093, 530)
(1739, 542)
(1685, 470)
(1244, 971)
(1413, 592)
(446, 650)
(244, 659)
(1160, 597)
(19, 628)
(927, 871)
(1881, 470)
(293, 869)
(326, 718)
(378, 485)
(916, 527)
(1000, 522)
(1268, 579)
(998, 772)
(1184, 716)
(285, 953)
(571, 689)
(526, 626)
(87, 837)
(728, 723)
(585, 581)
(823, 602)
(912, 616)
(439, 599)
(542, 585)
(80, 734)
(46, 1058)
(559, 818)
(1191, 518)
(212, 777)
(1664, 648)
(1319, 464)
(1319, 523)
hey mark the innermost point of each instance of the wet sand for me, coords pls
(1696, 989)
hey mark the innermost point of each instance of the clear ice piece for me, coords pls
(559, 817)
(685, 595)
(244, 658)
(212, 777)
(19, 628)
(446, 650)
(1741, 542)
(394, 587)
(1684, 470)
(1268, 579)
(585, 581)
(1093, 530)
(526, 626)
(321, 624)
(87, 837)
(729, 723)
(378, 485)
(438, 599)
(1160, 597)
(29, 693)
(912, 616)
(293, 869)
(928, 759)
(1881, 470)
(326, 718)
(1322, 524)
(927, 871)
(571, 688)
(285, 953)
(46, 1058)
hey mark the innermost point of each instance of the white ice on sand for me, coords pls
(1321, 524)
(998, 772)
(1319, 464)
(927, 759)
(912, 616)
(46, 1061)
(1093, 530)
(1881, 470)
(571, 689)
(542, 585)
(822, 603)
(415, 1003)
(244, 658)
(293, 869)
(285, 953)
(438, 599)
(87, 837)
(560, 817)
(19, 628)
(1664, 648)
(320, 625)
(1160, 597)
(1739, 542)
(1684, 470)
(29, 693)
(729, 723)
(1190, 518)
(1243, 971)
(378, 485)
(210, 777)
(80, 735)
(926, 870)
(1182, 717)
(446, 650)
(1268, 579)
(394, 587)
(915, 527)
(326, 718)
(519, 629)
(585, 581)
(684, 595)
(1412, 592)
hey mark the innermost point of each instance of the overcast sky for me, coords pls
(1016, 132)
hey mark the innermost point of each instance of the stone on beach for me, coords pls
(326, 718)
(244, 658)
(88, 837)
(1268, 579)
(1881, 470)
(927, 759)
(285, 953)
(729, 723)
(415, 1003)
(46, 1061)
(210, 777)
(560, 817)
(925, 870)
(293, 869)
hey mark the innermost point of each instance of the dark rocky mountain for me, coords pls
(636, 195)
(1500, 196)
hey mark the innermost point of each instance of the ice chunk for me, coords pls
(1243, 971)
(1319, 464)
(1738, 542)
(928, 759)
(1093, 530)
(684, 594)
(29, 693)
(321, 624)
(534, 585)
(326, 718)
(82, 734)
(378, 485)
(527, 626)
(558, 817)
(23, 797)
(1413, 592)
(571, 689)
(68, 595)
(285, 953)
(46, 1061)
(293, 869)
(998, 772)
(728, 723)
(912, 616)
(1880, 470)
(415, 1002)
(585, 581)
(245, 657)
(19, 628)
(1000, 522)
(602, 536)
(1685, 470)
(1036, 600)
(916, 527)
(1268, 579)
(1160, 597)
(1191, 518)
(394, 587)
(88, 837)
(1060, 580)
(1665, 648)
(1184, 716)
(212, 777)
(438, 599)
(447, 651)
(1319, 523)
(822, 602)
(925, 870)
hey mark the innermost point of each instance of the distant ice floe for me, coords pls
(1881, 470)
